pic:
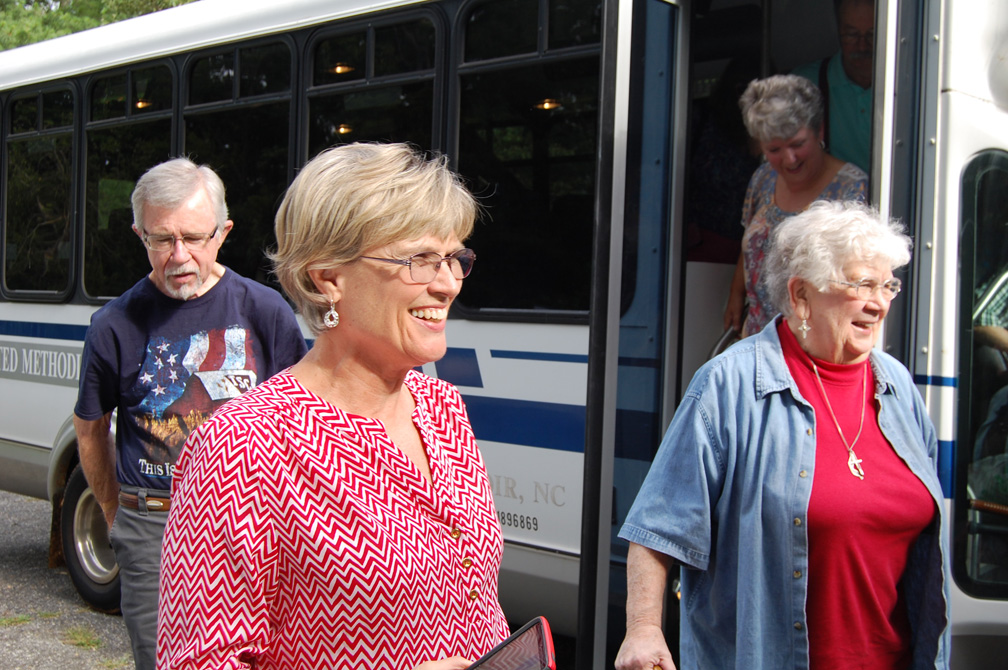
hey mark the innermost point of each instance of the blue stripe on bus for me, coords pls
(460, 367)
(930, 380)
(535, 424)
(946, 450)
(539, 356)
(49, 331)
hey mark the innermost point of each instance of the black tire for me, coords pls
(86, 548)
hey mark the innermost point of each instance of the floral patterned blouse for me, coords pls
(760, 215)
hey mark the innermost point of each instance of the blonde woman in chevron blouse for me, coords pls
(340, 515)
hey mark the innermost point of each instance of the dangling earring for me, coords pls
(804, 328)
(331, 318)
(822, 143)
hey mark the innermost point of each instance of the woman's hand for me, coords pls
(644, 648)
(451, 663)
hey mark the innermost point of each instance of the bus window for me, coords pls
(405, 47)
(152, 90)
(38, 235)
(124, 136)
(264, 70)
(983, 436)
(364, 98)
(340, 58)
(502, 28)
(528, 145)
(254, 173)
(212, 79)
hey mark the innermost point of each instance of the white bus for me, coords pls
(603, 138)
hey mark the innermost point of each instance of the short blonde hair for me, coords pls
(355, 197)
(777, 107)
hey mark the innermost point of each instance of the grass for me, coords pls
(124, 663)
(15, 620)
(81, 636)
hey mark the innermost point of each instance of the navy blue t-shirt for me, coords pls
(167, 364)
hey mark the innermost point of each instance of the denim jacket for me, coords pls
(727, 497)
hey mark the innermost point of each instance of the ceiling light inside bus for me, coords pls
(549, 104)
(142, 104)
(341, 68)
(344, 129)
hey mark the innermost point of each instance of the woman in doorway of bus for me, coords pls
(796, 485)
(340, 515)
(784, 113)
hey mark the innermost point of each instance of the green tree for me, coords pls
(27, 21)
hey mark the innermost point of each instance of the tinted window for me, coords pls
(527, 146)
(212, 79)
(502, 28)
(399, 113)
(57, 110)
(983, 437)
(574, 23)
(265, 69)
(152, 90)
(38, 236)
(356, 104)
(108, 98)
(114, 257)
(407, 47)
(24, 115)
(247, 146)
(340, 59)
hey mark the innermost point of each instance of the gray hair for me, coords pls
(781, 105)
(355, 197)
(816, 244)
(172, 183)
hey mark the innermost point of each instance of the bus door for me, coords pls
(632, 346)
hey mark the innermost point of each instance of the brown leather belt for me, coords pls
(155, 503)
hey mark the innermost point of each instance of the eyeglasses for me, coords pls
(424, 266)
(191, 241)
(854, 37)
(866, 288)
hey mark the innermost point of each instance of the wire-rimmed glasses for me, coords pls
(191, 241)
(866, 287)
(424, 266)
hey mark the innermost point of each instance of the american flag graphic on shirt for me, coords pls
(183, 381)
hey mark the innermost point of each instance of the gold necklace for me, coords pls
(853, 462)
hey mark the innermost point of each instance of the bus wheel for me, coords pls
(86, 547)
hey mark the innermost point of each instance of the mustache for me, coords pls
(188, 268)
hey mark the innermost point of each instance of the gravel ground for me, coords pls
(43, 622)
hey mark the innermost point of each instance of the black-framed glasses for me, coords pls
(424, 266)
(866, 287)
(191, 241)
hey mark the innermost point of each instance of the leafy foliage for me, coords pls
(27, 21)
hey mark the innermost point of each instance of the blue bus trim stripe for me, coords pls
(539, 356)
(49, 331)
(534, 424)
(933, 380)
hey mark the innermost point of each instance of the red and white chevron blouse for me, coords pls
(300, 537)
